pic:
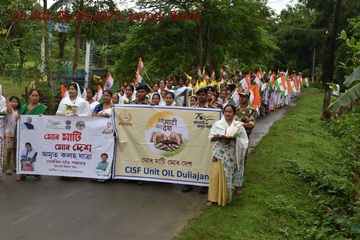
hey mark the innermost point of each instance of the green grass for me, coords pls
(275, 203)
(12, 87)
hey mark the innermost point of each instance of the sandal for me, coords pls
(208, 204)
(238, 191)
(37, 177)
(20, 178)
(8, 172)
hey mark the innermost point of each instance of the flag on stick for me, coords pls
(110, 84)
(64, 91)
(187, 76)
(139, 73)
(306, 82)
(279, 85)
(234, 99)
(255, 98)
(199, 72)
(99, 93)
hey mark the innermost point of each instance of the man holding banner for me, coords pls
(141, 92)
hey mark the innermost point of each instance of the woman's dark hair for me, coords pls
(232, 107)
(28, 144)
(17, 99)
(131, 86)
(172, 94)
(156, 93)
(155, 84)
(104, 154)
(92, 90)
(108, 91)
(32, 90)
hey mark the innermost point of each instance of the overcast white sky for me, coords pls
(277, 5)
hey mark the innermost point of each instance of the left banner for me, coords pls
(65, 146)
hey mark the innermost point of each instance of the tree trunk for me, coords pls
(22, 58)
(62, 43)
(47, 64)
(329, 73)
(77, 41)
(200, 44)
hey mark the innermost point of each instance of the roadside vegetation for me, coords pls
(13, 87)
(301, 181)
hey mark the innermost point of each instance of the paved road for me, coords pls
(55, 208)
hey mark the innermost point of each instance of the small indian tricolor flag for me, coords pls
(255, 98)
(64, 91)
(306, 82)
(279, 85)
(99, 93)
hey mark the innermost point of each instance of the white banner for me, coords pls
(65, 146)
(164, 144)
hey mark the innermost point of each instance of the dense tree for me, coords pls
(296, 38)
(219, 30)
(20, 36)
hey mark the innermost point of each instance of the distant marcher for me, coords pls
(90, 94)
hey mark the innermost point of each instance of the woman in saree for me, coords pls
(227, 169)
(104, 109)
(73, 104)
(33, 107)
(90, 95)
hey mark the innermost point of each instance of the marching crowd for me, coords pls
(242, 99)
